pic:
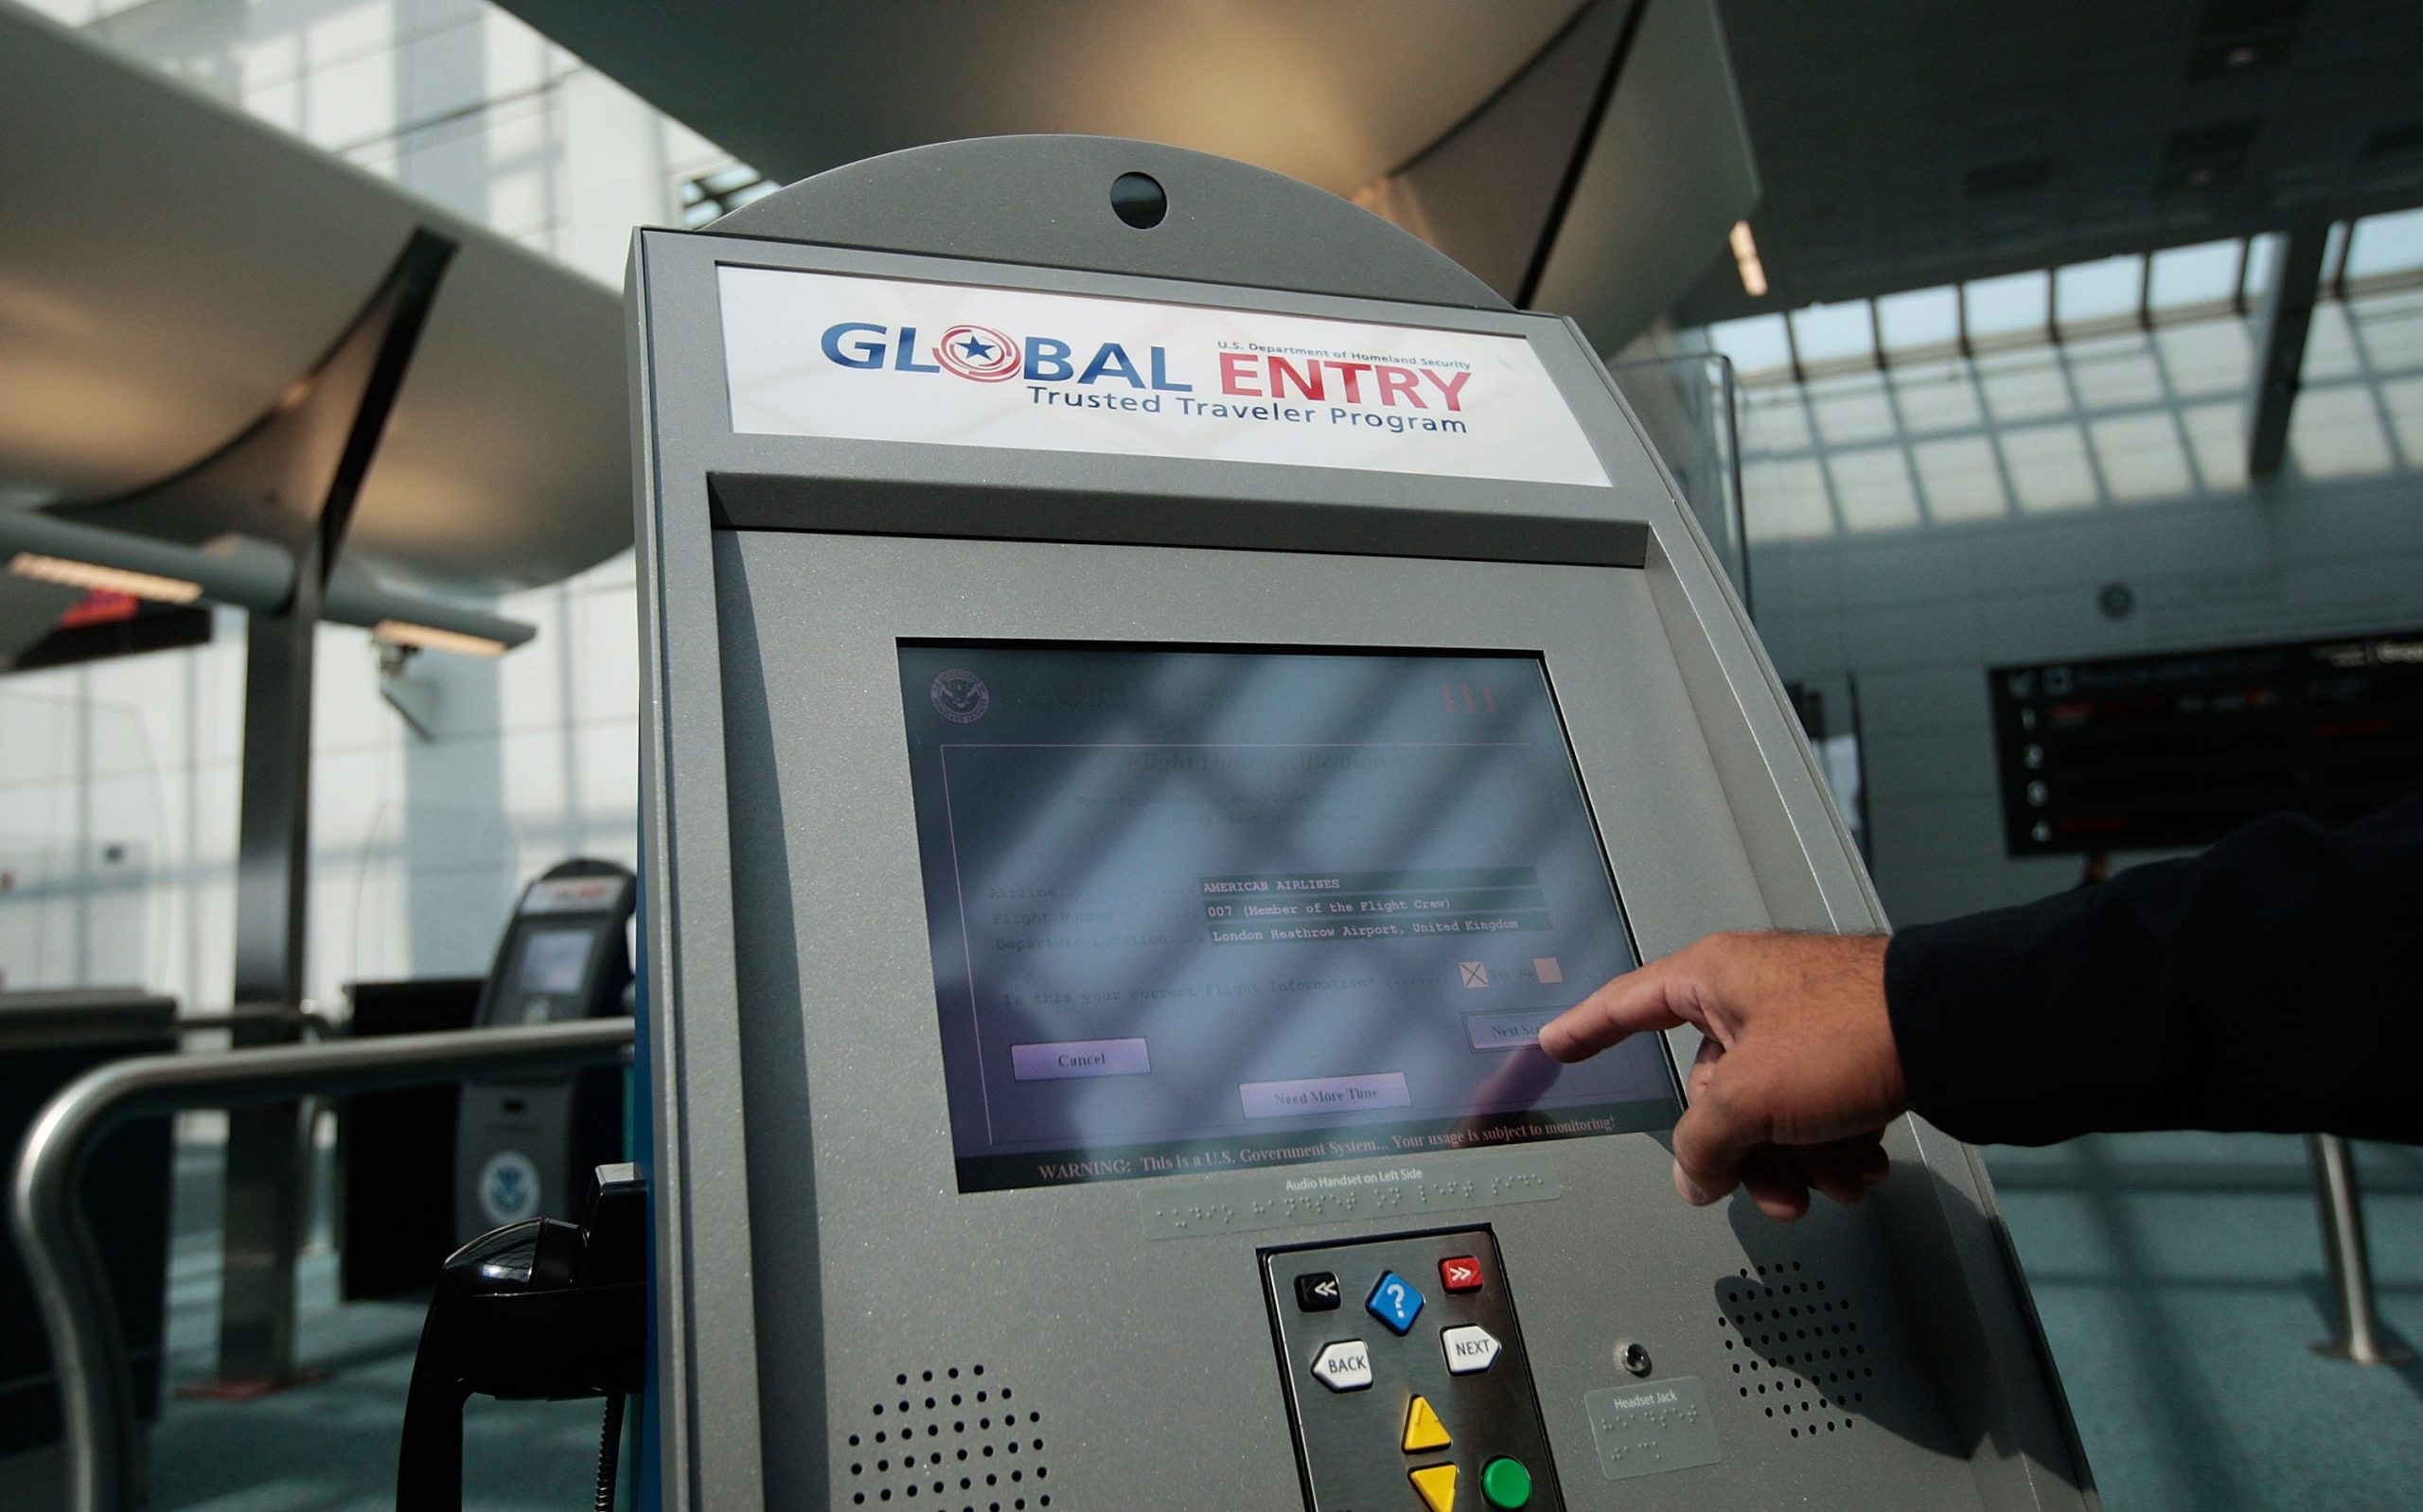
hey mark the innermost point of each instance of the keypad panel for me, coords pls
(1366, 1432)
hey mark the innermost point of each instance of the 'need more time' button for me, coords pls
(1076, 1058)
(1324, 1094)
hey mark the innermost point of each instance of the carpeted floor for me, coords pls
(2179, 1277)
(330, 1446)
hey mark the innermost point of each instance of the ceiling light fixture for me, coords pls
(428, 637)
(1745, 256)
(94, 577)
(249, 575)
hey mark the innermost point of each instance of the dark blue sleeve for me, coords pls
(2275, 982)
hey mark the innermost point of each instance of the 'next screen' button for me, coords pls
(1507, 1031)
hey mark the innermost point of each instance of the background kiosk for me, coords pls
(526, 1148)
(1158, 683)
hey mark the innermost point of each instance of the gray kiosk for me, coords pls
(1158, 683)
(525, 1148)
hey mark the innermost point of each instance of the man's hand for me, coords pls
(1797, 1076)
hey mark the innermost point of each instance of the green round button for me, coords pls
(1505, 1484)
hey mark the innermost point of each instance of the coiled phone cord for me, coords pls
(609, 1451)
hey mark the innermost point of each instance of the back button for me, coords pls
(1345, 1366)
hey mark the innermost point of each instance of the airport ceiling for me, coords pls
(1926, 142)
(171, 267)
(1548, 144)
(1336, 94)
(1899, 145)
(1539, 142)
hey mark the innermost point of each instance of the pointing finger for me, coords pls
(1634, 1003)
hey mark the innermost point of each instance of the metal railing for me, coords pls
(310, 1021)
(103, 1442)
(2357, 1332)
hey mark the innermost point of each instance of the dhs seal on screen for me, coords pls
(961, 696)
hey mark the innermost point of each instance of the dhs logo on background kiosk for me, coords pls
(508, 1187)
(892, 359)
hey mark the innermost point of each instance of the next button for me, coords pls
(1072, 1058)
(1327, 1093)
(1507, 1031)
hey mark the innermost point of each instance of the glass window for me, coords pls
(2140, 456)
(2088, 292)
(2048, 467)
(717, 193)
(1756, 345)
(2184, 276)
(2262, 258)
(2337, 433)
(1775, 418)
(1850, 409)
(2331, 351)
(1787, 499)
(1832, 333)
(1938, 397)
(2386, 245)
(1961, 479)
(2016, 302)
(1921, 318)
(1872, 483)
(2207, 357)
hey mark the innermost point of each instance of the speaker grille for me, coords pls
(953, 1438)
(1798, 1353)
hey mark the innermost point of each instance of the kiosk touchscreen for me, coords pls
(1203, 910)
(1159, 684)
(524, 1149)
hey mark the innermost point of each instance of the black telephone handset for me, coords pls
(540, 1310)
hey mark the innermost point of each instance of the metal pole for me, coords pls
(1729, 427)
(104, 1449)
(2356, 1333)
(262, 1229)
(321, 447)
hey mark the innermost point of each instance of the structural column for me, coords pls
(266, 1175)
(2287, 319)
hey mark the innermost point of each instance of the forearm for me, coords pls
(2271, 983)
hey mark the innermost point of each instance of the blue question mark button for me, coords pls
(1394, 1302)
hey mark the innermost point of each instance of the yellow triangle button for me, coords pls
(1436, 1484)
(1423, 1431)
